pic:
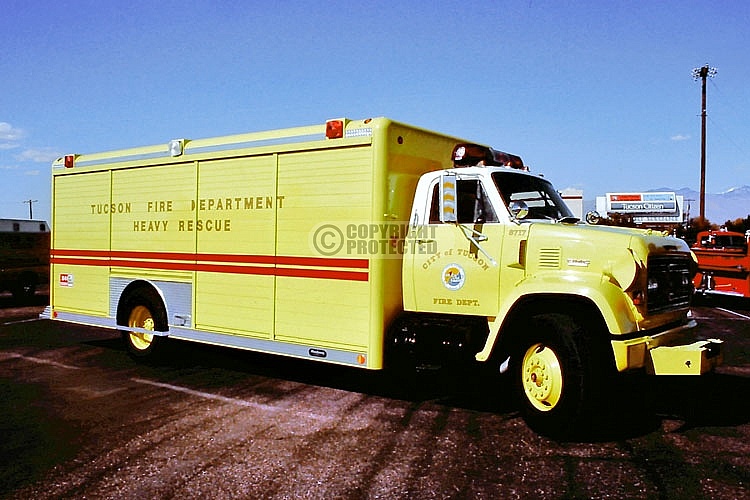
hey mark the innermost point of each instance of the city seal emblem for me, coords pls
(454, 277)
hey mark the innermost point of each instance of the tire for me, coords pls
(559, 375)
(25, 288)
(143, 308)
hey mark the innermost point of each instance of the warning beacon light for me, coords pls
(466, 155)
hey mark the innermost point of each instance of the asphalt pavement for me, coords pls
(80, 418)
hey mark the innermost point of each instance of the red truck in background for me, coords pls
(24, 256)
(723, 263)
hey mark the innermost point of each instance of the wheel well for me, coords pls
(142, 291)
(581, 309)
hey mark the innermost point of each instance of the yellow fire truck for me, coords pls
(369, 243)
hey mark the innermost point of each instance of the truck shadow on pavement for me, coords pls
(635, 406)
(715, 400)
(644, 404)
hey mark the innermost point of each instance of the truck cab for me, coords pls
(553, 300)
(474, 212)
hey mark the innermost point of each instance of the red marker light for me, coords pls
(334, 129)
(69, 161)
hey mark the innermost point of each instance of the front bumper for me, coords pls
(668, 352)
(692, 359)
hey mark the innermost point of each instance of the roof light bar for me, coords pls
(473, 154)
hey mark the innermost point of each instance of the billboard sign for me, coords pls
(651, 203)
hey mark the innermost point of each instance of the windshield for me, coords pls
(724, 241)
(540, 197)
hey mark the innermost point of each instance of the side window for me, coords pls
(473, 205)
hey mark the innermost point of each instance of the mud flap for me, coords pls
(691, 359)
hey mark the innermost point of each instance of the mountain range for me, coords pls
(734, 203)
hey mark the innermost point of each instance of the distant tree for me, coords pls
(738, 225)
(618, 219)
(695, 226)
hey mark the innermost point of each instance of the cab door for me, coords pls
(455, 265)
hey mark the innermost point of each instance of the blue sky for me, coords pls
(596, 95)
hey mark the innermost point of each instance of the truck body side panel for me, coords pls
(238, 196)
(320, 300)
(80, 222)
(157, 200)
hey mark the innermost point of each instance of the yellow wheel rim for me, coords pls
(140, 317)
(542, 377)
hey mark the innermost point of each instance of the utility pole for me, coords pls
(31, 212)
(702, 73)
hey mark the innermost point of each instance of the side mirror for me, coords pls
(593, 217)
(519, 209)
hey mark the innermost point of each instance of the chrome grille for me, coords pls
(669, 282)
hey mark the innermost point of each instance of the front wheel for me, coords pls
(542, 377)
(559, 375)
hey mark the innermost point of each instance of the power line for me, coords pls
(732, 107)
(727, 136)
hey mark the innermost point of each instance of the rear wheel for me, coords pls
(144, 310)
